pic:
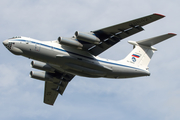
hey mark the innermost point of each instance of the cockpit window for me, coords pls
(9, 45)
(15, 37)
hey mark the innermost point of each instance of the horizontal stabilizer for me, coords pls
(143, 50)
(152, 41)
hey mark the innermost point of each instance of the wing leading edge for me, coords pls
(109, 36)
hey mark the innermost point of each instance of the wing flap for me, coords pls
(61, 88)
(104, 45)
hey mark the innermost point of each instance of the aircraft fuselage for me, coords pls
(72, 60)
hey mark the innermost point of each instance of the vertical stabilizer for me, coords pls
(143, 51)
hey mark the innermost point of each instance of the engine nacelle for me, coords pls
(42, 66)
(41, 75)
(70, 42)
(87, 37)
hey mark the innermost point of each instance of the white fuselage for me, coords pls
(72, 60)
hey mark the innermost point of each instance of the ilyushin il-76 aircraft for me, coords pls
(62, 59)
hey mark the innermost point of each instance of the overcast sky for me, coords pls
(147, 98)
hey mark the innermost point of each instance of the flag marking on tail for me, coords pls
(134, 55)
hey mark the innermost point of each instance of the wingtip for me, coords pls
(172, 34)
(159, 15)
(49, 103)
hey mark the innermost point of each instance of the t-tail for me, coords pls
(143, 51)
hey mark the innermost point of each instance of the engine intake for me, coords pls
(41, 75)
(90, 38)
(70, 42)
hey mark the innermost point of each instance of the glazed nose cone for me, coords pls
(5, 42)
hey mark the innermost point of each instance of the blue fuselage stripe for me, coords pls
(79, 54)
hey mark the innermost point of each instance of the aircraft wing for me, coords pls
(52, 89)
(109, 36)
(49, 94)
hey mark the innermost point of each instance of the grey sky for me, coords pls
(156, 97)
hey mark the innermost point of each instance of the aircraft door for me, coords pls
(37, 47)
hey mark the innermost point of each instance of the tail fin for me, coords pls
(143, 51)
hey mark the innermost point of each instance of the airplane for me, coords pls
(62, 59)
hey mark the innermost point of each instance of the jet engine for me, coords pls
(90, 38)
(70, 42)
(42, 66)
(41, 75)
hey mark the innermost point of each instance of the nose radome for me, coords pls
(5, 42)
